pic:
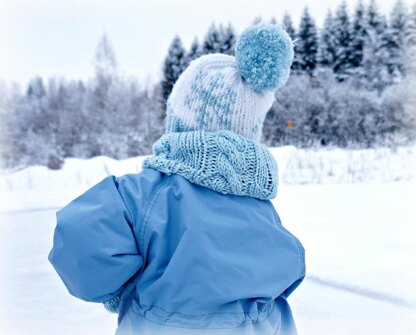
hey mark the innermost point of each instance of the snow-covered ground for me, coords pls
(38, 187)
(359, 241)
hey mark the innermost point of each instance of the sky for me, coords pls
(58, 37)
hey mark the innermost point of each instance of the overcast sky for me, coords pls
(59, 37)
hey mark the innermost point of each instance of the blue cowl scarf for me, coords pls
(222, 161)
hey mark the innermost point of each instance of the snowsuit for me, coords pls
(184, 258)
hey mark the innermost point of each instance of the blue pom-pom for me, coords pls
(264, 54)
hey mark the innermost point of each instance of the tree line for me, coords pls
(350, 86)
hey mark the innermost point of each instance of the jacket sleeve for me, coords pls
(94, 248)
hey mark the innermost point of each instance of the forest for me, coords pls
(350, 86)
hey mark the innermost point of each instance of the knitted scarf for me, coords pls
(222, 161)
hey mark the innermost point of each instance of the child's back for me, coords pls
(192, 244)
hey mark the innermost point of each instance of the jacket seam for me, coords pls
(297, 242)
(204, 314)
(245, 324)
(148, 212)
(133, 222)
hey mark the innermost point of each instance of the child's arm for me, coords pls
(94, 249)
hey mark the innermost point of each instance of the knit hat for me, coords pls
(222, 92)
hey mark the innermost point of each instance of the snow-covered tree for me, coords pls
(212, 41)
(228, 39)
(219, 40)
(358, 36)
(257, 19)
(327, 50)
(342, 42)
(193, 53)
(376, 55)
(99, 104)
(410, 42)
(307, 43)
(72, 123)
(105, 62)
(397, 40)
(173, 66)
(287, 24)
(195, 50)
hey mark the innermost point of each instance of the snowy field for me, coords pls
(358, 236)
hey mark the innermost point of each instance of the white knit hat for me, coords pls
(222, 92)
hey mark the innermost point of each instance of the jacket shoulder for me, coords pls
(137, 190)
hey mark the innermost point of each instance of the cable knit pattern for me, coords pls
(222, 161)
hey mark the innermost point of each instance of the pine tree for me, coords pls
(411, 28)
(173, 66)
(257, 20)
(410, 44)
(287, 25)
(358, 36)
(212, 41)
(396, 39)
(375, 20)
(307, 43)
(342, 42)
(376, 55)
(195, 50)
(228, 39)
(327, 51)
(193, 53)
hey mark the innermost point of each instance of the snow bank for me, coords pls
(38, 187)
(307, 166)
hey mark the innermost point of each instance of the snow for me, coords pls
(359, 239)
(358, 236)
(37, 187)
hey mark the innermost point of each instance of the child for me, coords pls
(192, 244)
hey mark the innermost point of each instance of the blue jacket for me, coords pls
(181, 256)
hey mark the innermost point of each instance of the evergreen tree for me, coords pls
(37, 100)
(375, 20)
(327, 50)
(257, 20)
(287, 24)
(307, 43)
(173, 66)
(411, 28)
(410, 44)
(212, 41)
(376, 56)
(72, 119)
(228, 39)
(193, 53)
(358, 36)
(342, 42)
(195, 50)
(396, 40)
